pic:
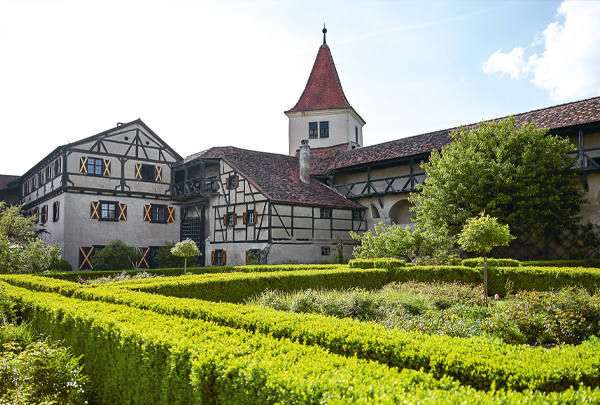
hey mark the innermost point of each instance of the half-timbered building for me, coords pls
(113, 185)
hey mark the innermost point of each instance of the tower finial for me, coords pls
(324, 32)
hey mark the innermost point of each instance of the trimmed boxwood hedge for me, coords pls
(478, 262)
(564, 263)
(169, 272)
(137, 356)
(479, 362)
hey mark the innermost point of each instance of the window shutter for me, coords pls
(234, 219)
(247, 256)
(56, 211)
(143, 263)
(122, 212)
(157, 173)
(83, 164)
(94, 206)
(224, 259)
(237, 181)
(225, 220)
(244, 218)
(44, 213)
(105, 167)
(147, 213)
(227, 183)
(85, 258)
(212, 258)
(138, 170)
(170, 214)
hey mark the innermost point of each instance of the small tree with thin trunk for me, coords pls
(185, 249)
(481, 234)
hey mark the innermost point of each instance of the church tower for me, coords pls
(323, 115)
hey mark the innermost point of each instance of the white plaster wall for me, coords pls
(342, 123)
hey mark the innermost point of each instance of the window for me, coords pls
(230, 219)
(232, 182)
(94, 166)
(219, 258)
(356, 133)
(148, 172)
(250, 218)
(158, 213)
(325, 251)
(324, 129)
(36, 212)
(44, 216)
(55, 211)
(313, 131)
(108, 211)
(325, 213)
(356, 215)
(253, 256)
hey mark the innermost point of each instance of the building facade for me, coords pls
(243, 206)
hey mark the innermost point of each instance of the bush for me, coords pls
(42, 373)
(478, 262)
(563, 263)
(166, 259)
(116, 256)
(438, 258)
(60, 265)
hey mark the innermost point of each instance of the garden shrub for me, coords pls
(438, 258)
(117, 255)
(166, 259)
(60, 265)
(478, 262)
(570, 315)
(42, 373)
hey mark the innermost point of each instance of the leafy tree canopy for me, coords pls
(186, 248)
(21, 251)
(522, 176)
(483, 233)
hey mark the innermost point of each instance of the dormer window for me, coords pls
(313, 130)
(324, 126)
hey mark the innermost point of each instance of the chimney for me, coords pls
(304, 162)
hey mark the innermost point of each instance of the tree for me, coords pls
(166, 259)
(117, 255)
(523, 177)
(21, 251)
(393, 241)
(481, 234)
(185, 249)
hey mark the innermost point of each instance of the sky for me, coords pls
(203, 73)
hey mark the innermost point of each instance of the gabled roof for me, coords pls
(5, 179)
(323, 90)
(276, 176)
(554, 118)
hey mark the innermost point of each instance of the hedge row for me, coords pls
(385, 263)
(564, 263)
(137, 356)
(478, 262)
(169, 272)
(479, 362)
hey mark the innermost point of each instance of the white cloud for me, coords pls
(569, 67)
(511, 63)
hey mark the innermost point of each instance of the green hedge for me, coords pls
(73, 275)
(478, 362)
(478, 262)
(237, 287)
(385, 263)
(563, 263)
(136, 356)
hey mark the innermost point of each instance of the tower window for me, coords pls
(356, 131)
(324, 126)
(313, 131)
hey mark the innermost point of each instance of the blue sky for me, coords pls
(205, 74)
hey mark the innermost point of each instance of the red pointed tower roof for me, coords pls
(323, 90)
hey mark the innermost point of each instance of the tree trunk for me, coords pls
(185, 266)
(485, 283)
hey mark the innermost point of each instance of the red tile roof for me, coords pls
(5, 179)
(323, 90)
(277, 177)
(555, 117)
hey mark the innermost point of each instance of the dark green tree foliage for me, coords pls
(166, 259)
(116, 256)
(523, 177)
